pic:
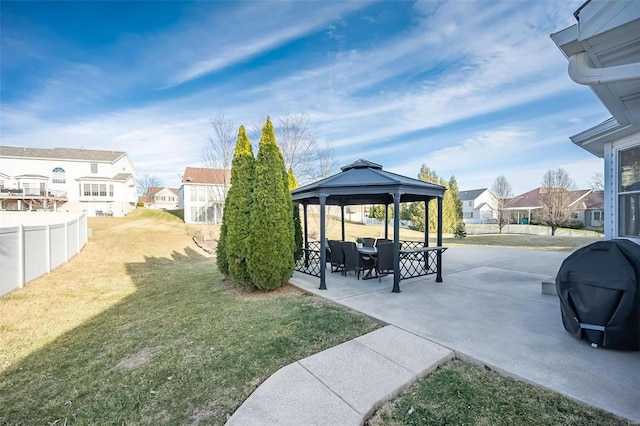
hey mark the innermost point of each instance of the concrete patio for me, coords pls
(490, 310)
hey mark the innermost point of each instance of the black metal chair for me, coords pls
(384, 264)
(382, 240)
(337, 256)
(327, 251)
(368, 242)
(351, 258)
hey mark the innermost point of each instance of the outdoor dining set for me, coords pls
(370, 257)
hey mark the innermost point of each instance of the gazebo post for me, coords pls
(342, 220)
(323, 244)
(439, 252)
(396, 243)
(306, 236)
(426, 223)
(426, 233)
(386, 221)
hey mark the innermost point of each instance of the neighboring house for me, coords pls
(160, 198)
(593, 207)
(479, 206)
(604, 54)
(102, 183)
(528, 207)
(202, 194)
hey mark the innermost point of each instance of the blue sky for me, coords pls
(471, 89)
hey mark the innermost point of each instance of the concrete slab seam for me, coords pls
(544, 302)
(429, 370)
(329, 389)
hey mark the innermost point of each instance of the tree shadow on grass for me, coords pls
(89, 375)
(181, 349)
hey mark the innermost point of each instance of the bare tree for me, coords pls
(502, 190)
(556, 197)
(597, 181)
(302, 150)
(219, 152)
(219, 155)
(146, 185)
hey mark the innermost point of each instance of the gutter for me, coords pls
(582, 73)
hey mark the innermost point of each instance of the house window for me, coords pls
(110, 190)
(194, 194)
(629, 192)
(470, 203)
(87, 190)
(94, 189)
(468, 215)
(1, 184)
(103, 189)
(94, 168)
(597, 216)
(57, 175)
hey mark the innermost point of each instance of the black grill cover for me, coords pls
(599, 290)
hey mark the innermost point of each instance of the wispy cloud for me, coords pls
(440, 89)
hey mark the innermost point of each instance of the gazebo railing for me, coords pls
(417, 260)
(308, 260)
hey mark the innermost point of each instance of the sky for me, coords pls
(471, 89)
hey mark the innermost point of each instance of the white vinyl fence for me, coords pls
(473, 229)
(34, 243)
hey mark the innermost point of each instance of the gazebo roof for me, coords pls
(364, 182)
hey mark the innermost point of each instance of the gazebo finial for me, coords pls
(361, 163)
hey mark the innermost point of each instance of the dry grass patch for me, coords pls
(140, 329)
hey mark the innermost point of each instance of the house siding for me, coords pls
(21, 171)
(484, 214)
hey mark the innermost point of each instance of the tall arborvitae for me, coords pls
(297, 226)
(221, 250)
(428, 175)
(452, 206)
(271, 258)
(238, 210)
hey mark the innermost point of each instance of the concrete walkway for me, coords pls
(343, 385)
(489, 310)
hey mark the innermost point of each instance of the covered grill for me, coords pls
(599, 290)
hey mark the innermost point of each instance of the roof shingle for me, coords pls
(61, 153)
(207, 176)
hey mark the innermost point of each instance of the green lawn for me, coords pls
(535, 242)
(139, 328)
(465, 394)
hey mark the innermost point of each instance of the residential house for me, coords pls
(202, 194)
(479, 206)
(604, 54)
(160, 198)
(528, 207)
(592, 207)
(102, 183)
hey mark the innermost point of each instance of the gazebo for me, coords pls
(363, 182)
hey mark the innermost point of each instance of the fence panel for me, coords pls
(82, 230)
(36, 261)
(72, 238)
(10, 276)
(57, 245)
(39, 244)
